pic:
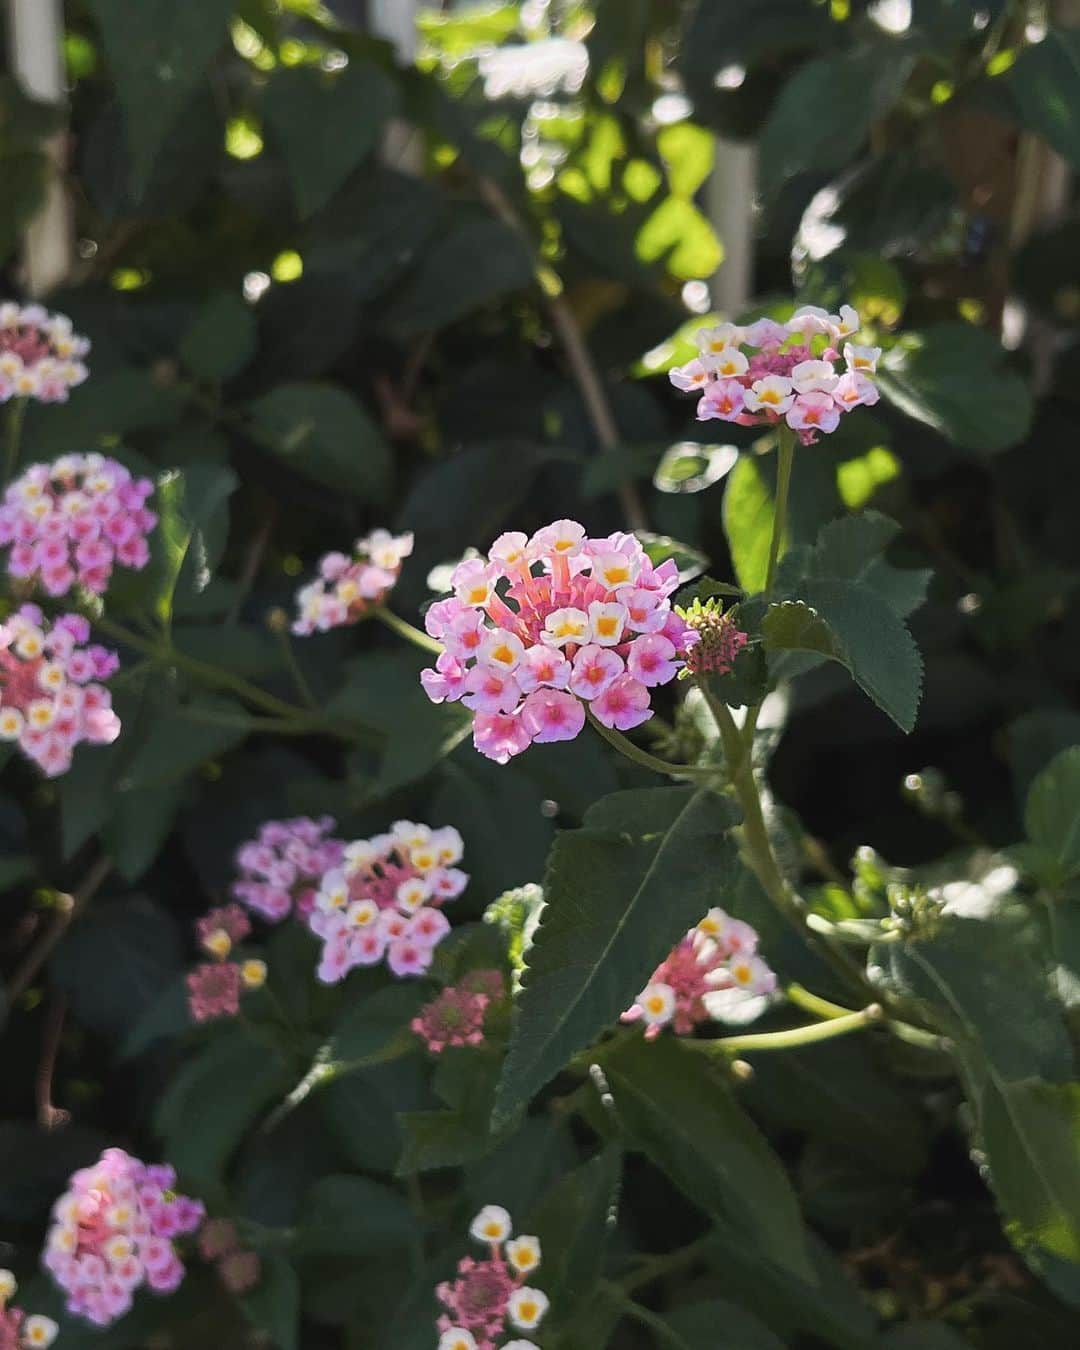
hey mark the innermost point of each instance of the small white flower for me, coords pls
(8, 1285)
(527, 1307)
(773, 393)
(457, 1338)
(813, 377)
(863, 360)
(39, 1331)
(492, 1224)
(523, 1253)
(657, 1004)
(565, 625)
(607, 623)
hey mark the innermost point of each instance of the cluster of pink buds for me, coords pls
(17, 1330)
(551, 626)
(281, 868)
(719, 638)
(50, 700)
(68, 522)
(238, 1269)
(490, 1297)
(712, 971)
(112, 1231)
(770, 371)
(456, 1016)
(346, 588)
(40, 355)
(385, 901)
(214, 988)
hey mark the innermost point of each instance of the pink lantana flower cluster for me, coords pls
(551, 626)
(281, 868)
(346, 588)
(490, 1298)
(769, 372)
(214, 988)
(456, 1016)
(50, 698)
(40, 355)
(112, 1232)
(18, 1331)
(385, 901)
(710, 975)
(68, 522)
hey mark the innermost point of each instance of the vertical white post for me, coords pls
(35, 29)
(395, 20)
(729, 204)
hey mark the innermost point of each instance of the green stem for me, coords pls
(793, 1038)
(638, 756)
(404, 629)
(216, 677)
(663, 1334)
(814, 1003)
(298, 677)
(785, 446)
(16, 416)
(656, 1267)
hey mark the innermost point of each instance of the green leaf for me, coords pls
(718, 1325)
(1052, 815)
(575, 1222)
(680, 236)
(447, 284)
(620, 892)
(1033, 741)
(1045, 85)
(221, 339)
(466, 1080)
(748, 521)
(273, 1306)
(183, 736)
(215, 1098)
(691, 562)
(826, 109)
(302, 102)
(109, 405)
(139, 826)
(689, 466)
(848, 622)
(137, 942)
(955, 379)
(376, 1028)
(158, 52)
(324, 433)
(679, 1109)
(352, 1216)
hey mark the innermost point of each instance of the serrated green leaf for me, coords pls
(619, 892)
(1052, 814)
(466, 1080)
(575, 1222)
(325, 434)
(680, 1110)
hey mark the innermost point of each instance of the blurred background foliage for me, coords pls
(339, 287)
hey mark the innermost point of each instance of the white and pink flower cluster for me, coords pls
(69, 522)
(385, 901)
(50, 698)
(112, 1232)
(282, 867)
(40, 355)
(712, 975)
(490, 1297)
(550, 626)
(770, 371)
(17, 1330)
(346, 588)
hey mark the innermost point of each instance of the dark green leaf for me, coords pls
(1045, 85)
(158, 52)
(302, 102)
(574, 1223)
(273, 1306)
(1052, 815)
(324, 433)
(954, 378)
(748, 521)
(679, 1109)
(181, 738)
(221, 338)
(619, 893)
(346, 1215)
(719, 1325)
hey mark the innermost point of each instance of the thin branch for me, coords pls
(68, 908)
(50, 1117)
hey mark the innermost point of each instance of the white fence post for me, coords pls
(35, 29)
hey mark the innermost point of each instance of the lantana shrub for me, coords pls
(461, 818)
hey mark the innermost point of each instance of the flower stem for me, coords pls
(16, 416)
(404, 629)
(785, 447)
(638, 756)
(793, 1038)
(814, 1003)
(298, 677)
